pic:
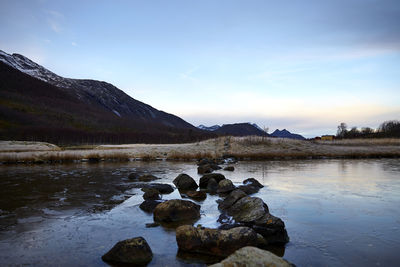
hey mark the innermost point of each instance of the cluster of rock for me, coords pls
(210, 165)
(245, 221)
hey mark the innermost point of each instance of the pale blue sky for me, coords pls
(301, 65)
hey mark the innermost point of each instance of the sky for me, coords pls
(303, 65)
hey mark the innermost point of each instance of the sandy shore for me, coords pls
(240, 147)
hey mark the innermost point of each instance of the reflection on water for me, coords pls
(337, 212)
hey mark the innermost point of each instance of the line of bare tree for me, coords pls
(388, 129)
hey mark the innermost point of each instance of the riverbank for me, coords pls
(244, 148)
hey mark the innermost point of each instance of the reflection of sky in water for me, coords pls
(337, 212)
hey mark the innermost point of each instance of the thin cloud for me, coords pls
(54, 19)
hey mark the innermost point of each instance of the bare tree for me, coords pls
(342, 130)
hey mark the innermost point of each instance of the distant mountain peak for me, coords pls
(211, 128)
(286, 134)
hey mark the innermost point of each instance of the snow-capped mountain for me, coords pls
(211, 128)
(93, 92)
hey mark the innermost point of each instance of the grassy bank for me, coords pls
(245, 148)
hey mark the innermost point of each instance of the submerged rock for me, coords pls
(162, 188)
(197, 195)
(133, 251)
(204, 169)
(176, 210)
(252, 256)
(151, 193)
(214, 241)
(229, 168)
(206, 178)
(225, 186)
(149, 205)
(185, 182)
(147, 178)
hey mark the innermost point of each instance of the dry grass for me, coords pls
(362, 142)
(240, 147)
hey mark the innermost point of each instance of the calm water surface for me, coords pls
(337, 212)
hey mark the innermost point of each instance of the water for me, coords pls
(337, 212)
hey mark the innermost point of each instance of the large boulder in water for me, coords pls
(185, 182)
(176, 210)
(252, 256)
(133, 251)
(214, 241)
(254, 213)
(207, 177)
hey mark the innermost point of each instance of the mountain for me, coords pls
(240, 129)
(95, 93)
(286, 134)
(37, 104)
(211, 128)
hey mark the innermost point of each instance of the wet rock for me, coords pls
(176, 210)
(149, 205)
(214, 241)
(197, 195)
(231, 199)
(253, 182)
(249, 189)
(151, 194)
(147, 178)
(248, 209)
(254, 213)
(212, 186)
(252, 256)
(206, 178)
(162, 188)
(204, 169)
(229, 168)
(133, 251)
(225, 186)
(185, 182)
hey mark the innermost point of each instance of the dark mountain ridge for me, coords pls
(286, 134)
(240, 129)
(36, 104)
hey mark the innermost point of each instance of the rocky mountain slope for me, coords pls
(95, 93)
(36, 104)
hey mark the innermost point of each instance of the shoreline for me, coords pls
(241, 148)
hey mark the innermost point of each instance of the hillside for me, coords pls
(33, 109)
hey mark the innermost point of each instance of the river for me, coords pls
(337, 212)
